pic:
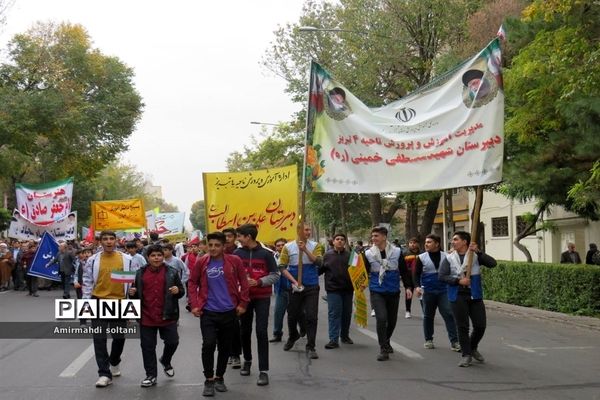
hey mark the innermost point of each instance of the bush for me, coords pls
(564, 288)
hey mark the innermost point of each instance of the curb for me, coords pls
(588, 323)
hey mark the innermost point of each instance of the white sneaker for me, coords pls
(103, 381)
(407, 315)
(372, 313)
(115, 370)
(429, 344)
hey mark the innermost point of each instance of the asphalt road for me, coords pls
(526, 358)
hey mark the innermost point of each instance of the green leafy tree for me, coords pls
(5, 217)
(553, 104)
(197, 216)
(67, 109)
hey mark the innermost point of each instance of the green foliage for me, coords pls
(564, 288)
(5, 216)
(197, 216)
(66, 109)
(553, 103)
(586, 195)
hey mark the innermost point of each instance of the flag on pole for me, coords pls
(501, 33)
(43, 265)
(360, 280)
(122, 276)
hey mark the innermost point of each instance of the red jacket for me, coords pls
(235, 275)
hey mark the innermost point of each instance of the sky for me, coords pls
(197, 68)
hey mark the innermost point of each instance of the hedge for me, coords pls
(566, 288)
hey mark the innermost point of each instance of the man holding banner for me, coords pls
(103, 278)
(299, 262)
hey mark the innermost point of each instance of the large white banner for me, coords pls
(62, 229)
(449, 133)
(169, 223)
(45, 203)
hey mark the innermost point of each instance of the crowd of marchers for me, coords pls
(229, 278)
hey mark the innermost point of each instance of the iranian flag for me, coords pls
(122, 276)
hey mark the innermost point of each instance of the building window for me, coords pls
(521, 224)
(500, 227)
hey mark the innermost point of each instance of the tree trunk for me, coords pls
(411, 227)
(342, 200)
(375, 200)
(523, 249)
(428, 217)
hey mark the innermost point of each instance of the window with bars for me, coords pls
(500, 227)
(521, 224)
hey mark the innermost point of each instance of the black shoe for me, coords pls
(383, 356)
(209, 388)
(245, 371)
(332, 345)
(263, 379)
(220, 385)
(312, 354)
(347, 340)
(275, 339)
(169, 371)
(290, 343)
(149, 381)
(188, 308)
(386, 348)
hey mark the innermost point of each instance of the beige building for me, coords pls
(501, 216)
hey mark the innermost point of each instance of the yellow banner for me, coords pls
(267, 198)
(118, 214)
(360, 280)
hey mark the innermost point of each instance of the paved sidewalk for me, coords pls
(589, 323)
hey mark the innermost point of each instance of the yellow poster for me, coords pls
(360, 280)
(118, 214)
(267, 198)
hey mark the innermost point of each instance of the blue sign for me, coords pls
(43, 265)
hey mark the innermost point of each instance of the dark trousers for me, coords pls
(463, 309)
(169, 336)
(260, 307)
(339, 313)
(407, 303)
(431, 302)
(18, 277)
(236, 340)
(386, 315)
(217, 332)
(103, 359)
(65, 281)
(306, 301)
(32, 284)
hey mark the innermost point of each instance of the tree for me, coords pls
(386, 48)
(5, 217)
(553, 105)
(197, 216)
(67, 109)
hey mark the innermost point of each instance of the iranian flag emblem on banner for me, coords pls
(122, 276)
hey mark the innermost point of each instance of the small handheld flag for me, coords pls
(122, 276)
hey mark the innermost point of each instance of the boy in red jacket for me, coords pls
(218, 292)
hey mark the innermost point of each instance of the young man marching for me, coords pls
(466, 294)
(434, 292)
(339, 290)
(262, 274)
(218, 293)
(159, 288)
(97, 284)
(385, 265)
